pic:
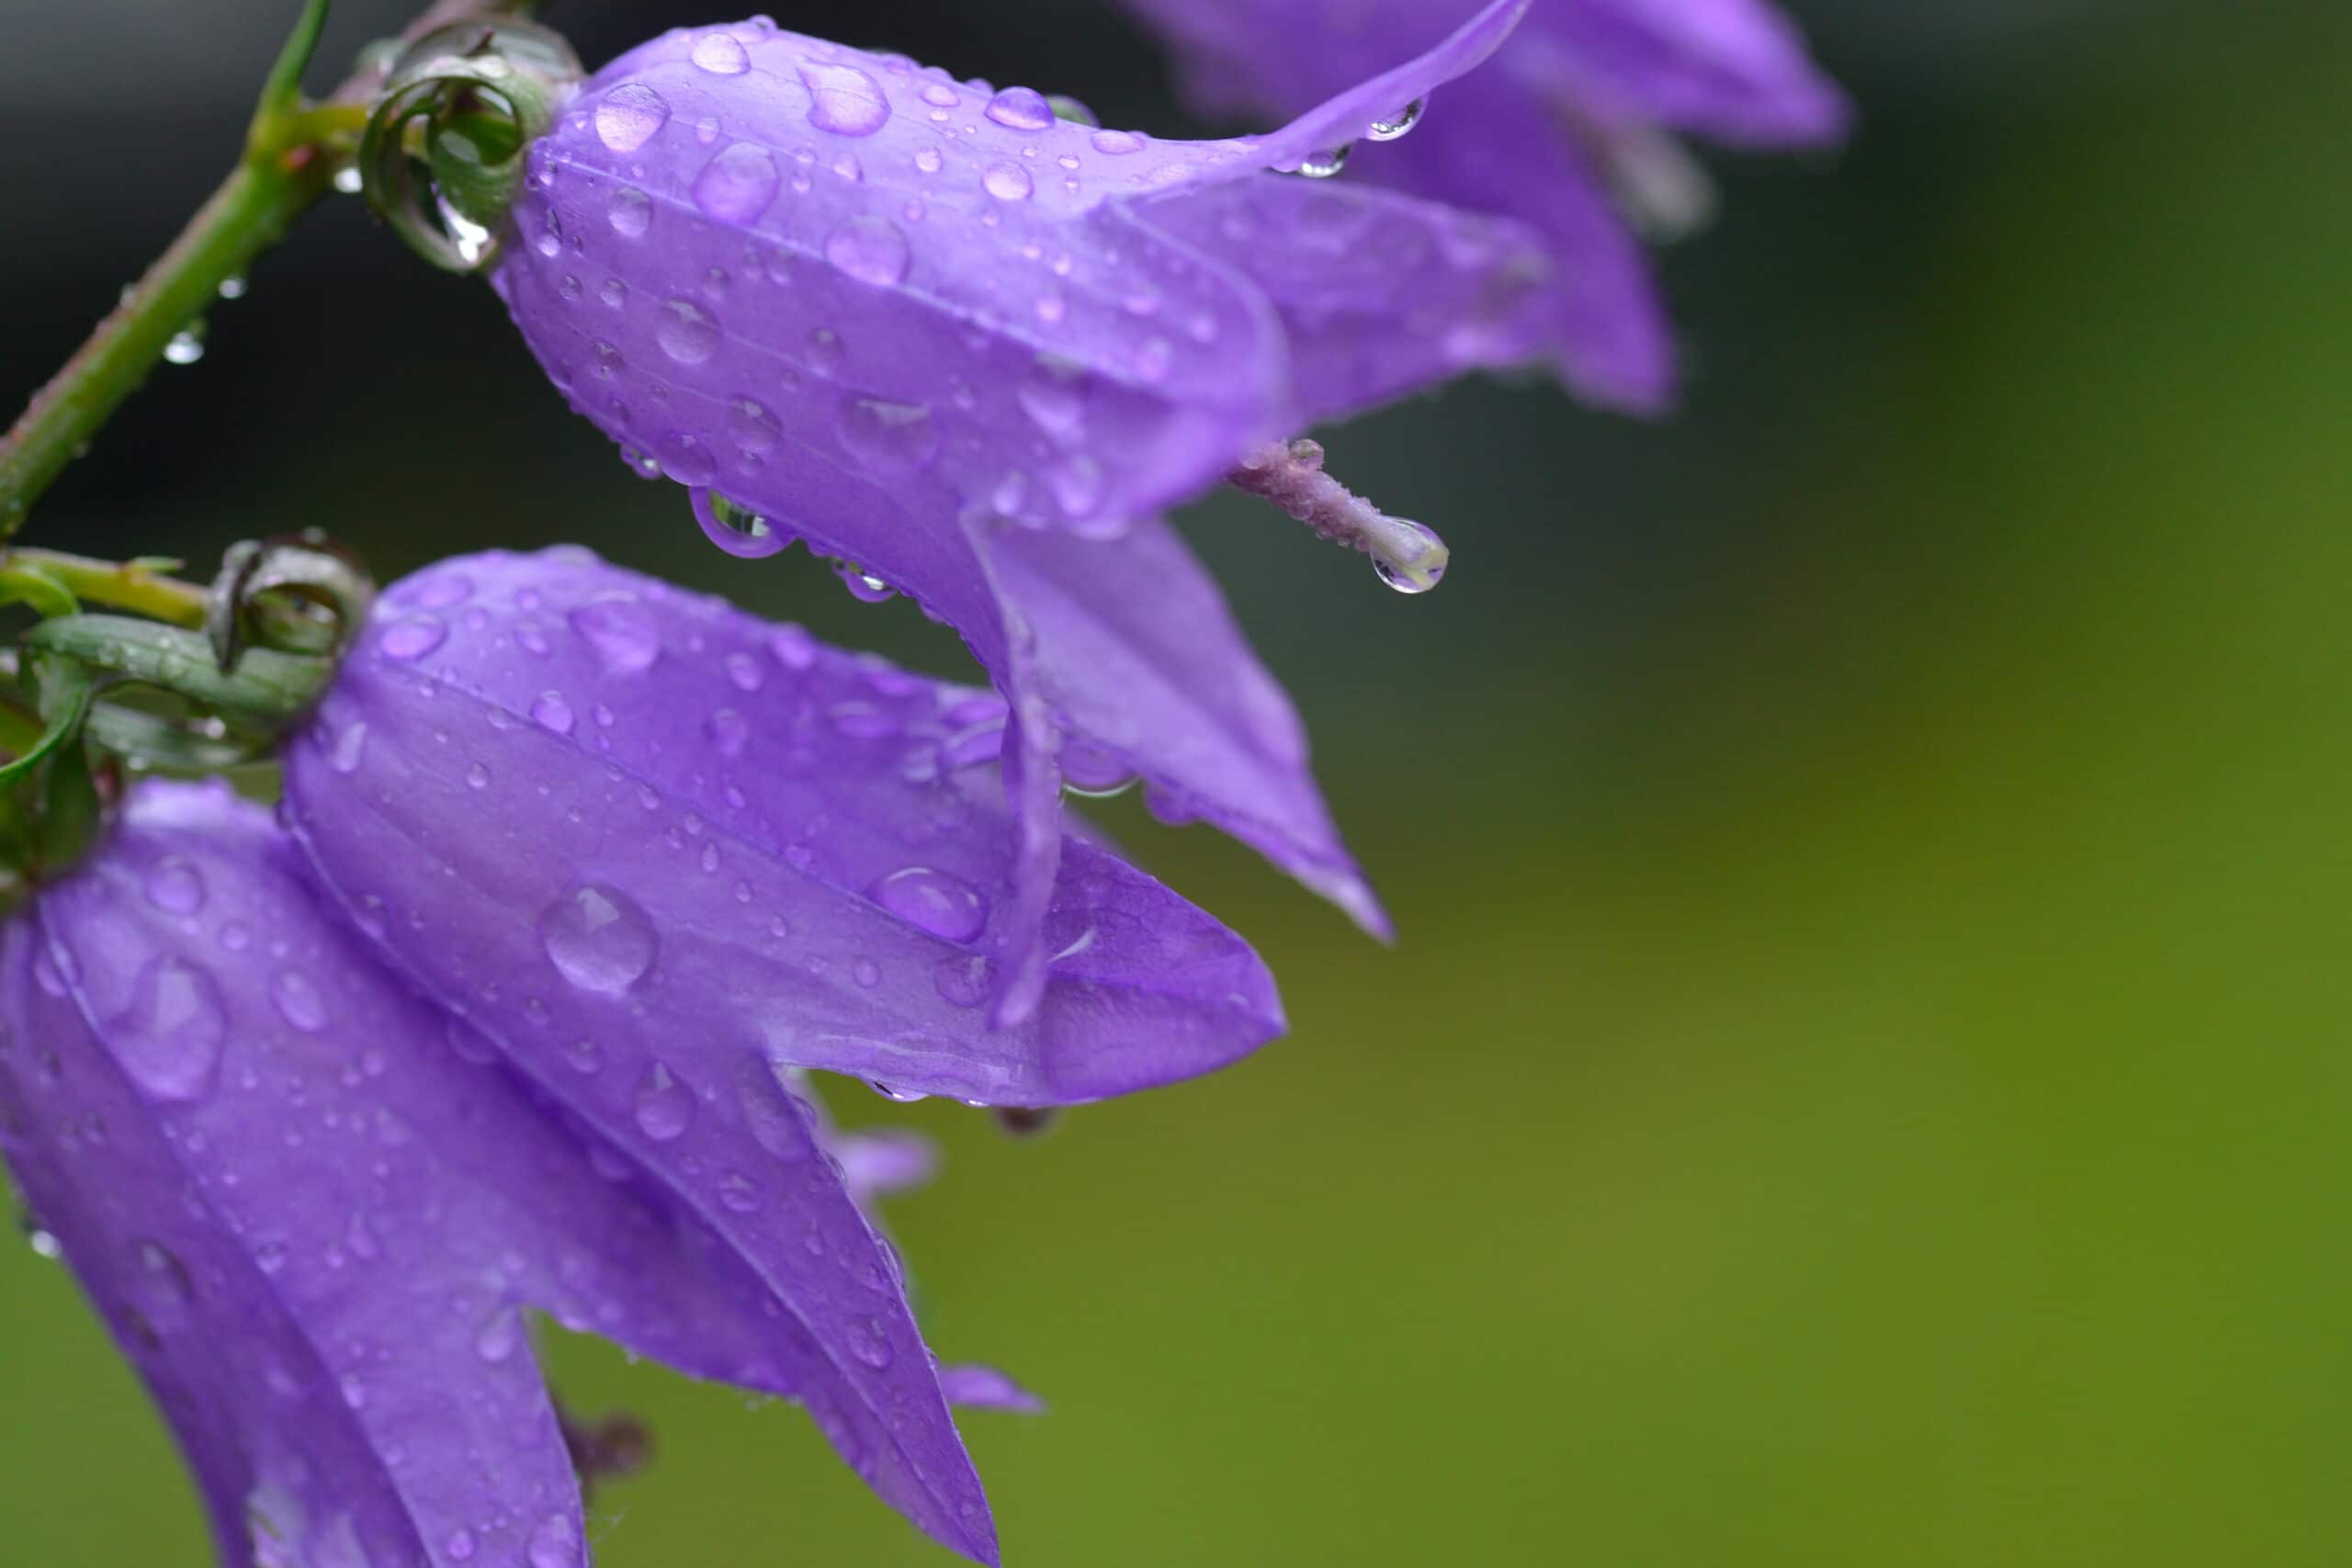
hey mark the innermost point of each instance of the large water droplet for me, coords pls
(664, 1106)
(185, 347)
(175, 887)
(549, 711)
(1116, 143)
(1398, 124)
(871, 250)
(889, 434)
(735, 528)
(737, 186)
(599, 939)
(720, 54)
(1415, 563)
(631, 116)
(169, 1038)
(622, 631)
(687, 332)
(631, 212)
(936, 901)
(843, 99)
(1008, 182)
(413, 638)
(1324, 166)
(1022, 108)
(753, 429)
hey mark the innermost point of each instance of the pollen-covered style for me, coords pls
(973, 350)
(1570, 129)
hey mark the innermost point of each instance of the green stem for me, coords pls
(292, 158)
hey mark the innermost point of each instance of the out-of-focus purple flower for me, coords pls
(313, 1207)
(974, 350)
(1570, 130)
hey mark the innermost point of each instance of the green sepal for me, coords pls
(67, 687)
(23, 582)
(267, 686)
(72, 811)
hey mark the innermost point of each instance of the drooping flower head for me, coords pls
(1569, 130)
(314, 1207)
(973, 350)
(579, 877)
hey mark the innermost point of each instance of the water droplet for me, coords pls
(1077, 484)
(622, 631)
(185, 347)
(687, 332)
(549, 711)
(664, 1106)
(350, 746)
(728, 730)
(871, 250)
(163, 1286)
(744, 671)
(1052, 393)
(631, 212)
(1008, 182)
(935, 901)
(843, 99)
(739, 185)
(866, 588)
(1399, 124)
(499, 1335)
(169, 1039)
(413, 638)
(1415, 565)
(889, 434)
(460, 1546)
(175, 887)
(1116, 143)
(599, 939)
(613, 292)
(297, 1001)
(753, 428)
(720, 54)
(1324, 166)
(233, 286)
(1094, 772)
(738, 1192)
(631, 116)
(687, 460)
(1021, 108)
(939, 96)
(477, 777)
(792, 645)
(734, 528)
(896, 1094)
(870, 1343)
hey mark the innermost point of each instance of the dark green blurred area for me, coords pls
(1864, 1077)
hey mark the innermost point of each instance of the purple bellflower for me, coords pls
(311, 1206)
(974, 350)
(1570, 130)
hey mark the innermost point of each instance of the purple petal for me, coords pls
(978, 1387)
(1133, 645)
(1380, 294)
(622, 825)
(363, 1184)
(1734, 70)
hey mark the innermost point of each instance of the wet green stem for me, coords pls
(292, 155)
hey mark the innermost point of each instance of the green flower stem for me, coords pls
(292, 158)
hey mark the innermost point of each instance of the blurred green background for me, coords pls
(1864, 1078)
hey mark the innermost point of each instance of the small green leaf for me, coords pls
(267, 685)
(66, 689)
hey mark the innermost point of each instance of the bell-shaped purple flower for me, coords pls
(1569, 130)
(974, 350)
(312, 1206)
(612, 822)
